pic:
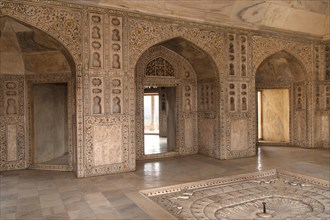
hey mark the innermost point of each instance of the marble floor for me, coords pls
(154, 144)
(34, 194)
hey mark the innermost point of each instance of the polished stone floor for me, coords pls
(154, 144)
(33, 194)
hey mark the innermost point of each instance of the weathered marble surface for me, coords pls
(311, 17)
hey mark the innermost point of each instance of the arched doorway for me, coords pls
(281, 98)
(184, 78)
(38, 74)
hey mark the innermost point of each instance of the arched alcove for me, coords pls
(279, 69)
(38, 80)
(281, 96)
(196, 84)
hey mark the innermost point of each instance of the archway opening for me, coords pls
(159, 120)
(39, 72)
(276, 78)
(183, 77)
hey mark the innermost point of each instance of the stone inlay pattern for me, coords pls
(287, 196)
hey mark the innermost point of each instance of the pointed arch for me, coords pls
(63, 28)
(280, 68)
(197, 82)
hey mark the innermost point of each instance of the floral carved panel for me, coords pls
(107, 136)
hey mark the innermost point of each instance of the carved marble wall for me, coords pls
(322, 96)
(218, 107)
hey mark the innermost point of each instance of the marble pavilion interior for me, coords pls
(120, 93)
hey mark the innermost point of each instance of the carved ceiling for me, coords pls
(305, 16)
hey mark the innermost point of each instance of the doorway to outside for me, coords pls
(273, 116)
(159, 120)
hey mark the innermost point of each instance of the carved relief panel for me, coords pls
(299, 98)
(206, 96)
(232, 94)
(107, 145)
(116, 43)
(318, 97)
(116, 96)
(244, 97)
(238, 97)
(299, 116)
(322, 97)
(237, 55)
(11, 97)
(327, 98)
(327, 62)
(187, 98)
(12, 131)
(97, 97)
(232, 55)
(96, 41)
(243, 55)
(12, 143)
(319, 62)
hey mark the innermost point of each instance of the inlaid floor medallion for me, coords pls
(273, 194)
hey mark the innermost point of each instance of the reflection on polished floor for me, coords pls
(153, 144)
(35, 194)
